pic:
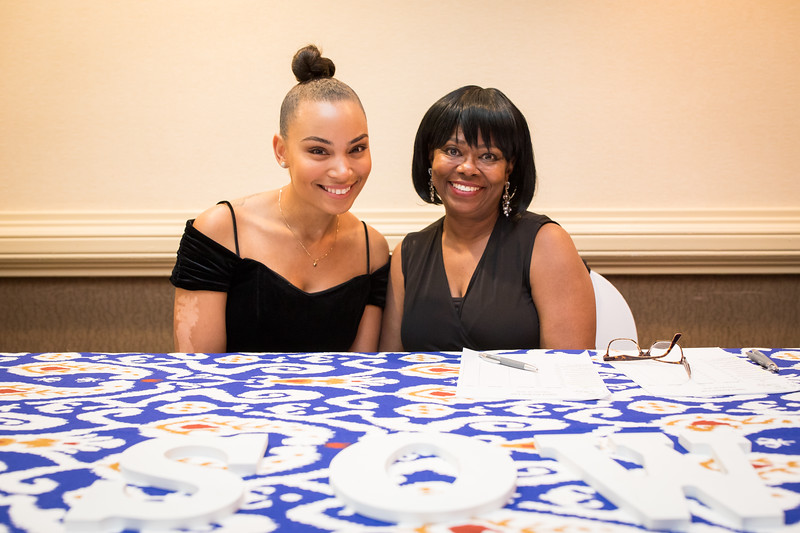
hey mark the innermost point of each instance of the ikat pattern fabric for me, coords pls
(66, 417)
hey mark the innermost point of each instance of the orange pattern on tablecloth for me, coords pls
(332, 381)
(774, 469)
(187, 407)
(28, 391)
(229, 425)
(431, 393)
(237, 359)
(32, 443)
(437, 370)
(657, 407)
(526, 445)
(61, 368)
(57, 356)
(64, 443)
(746, 424)
(424, 410)
(787, 356)
(421, 358)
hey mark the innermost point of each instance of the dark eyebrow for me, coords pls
(326, 141)
(317, 139)
(459, 140)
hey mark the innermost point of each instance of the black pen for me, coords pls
(762, 360)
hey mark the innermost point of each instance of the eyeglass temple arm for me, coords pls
(674, 341)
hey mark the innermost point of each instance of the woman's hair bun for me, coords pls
(308, 64)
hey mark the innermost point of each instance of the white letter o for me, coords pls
(485, 479)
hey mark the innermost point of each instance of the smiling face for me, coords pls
(326, 150)
(470, 179)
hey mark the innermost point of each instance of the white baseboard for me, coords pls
(755, 241)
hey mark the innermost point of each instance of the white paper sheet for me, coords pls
(561, 376)
(714, 373)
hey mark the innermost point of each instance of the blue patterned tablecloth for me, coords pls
(66, 417)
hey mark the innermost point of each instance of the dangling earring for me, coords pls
(431, 190)
(507, 200)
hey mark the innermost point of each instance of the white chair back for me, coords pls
(614, 317)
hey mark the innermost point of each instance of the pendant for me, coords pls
(315, 263)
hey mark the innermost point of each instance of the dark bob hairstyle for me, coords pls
(477, 110)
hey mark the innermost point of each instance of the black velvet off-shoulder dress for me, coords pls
(264, 311)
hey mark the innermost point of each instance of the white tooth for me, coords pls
(464, 188)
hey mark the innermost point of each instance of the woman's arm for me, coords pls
(199, 315)
(393, 313)
(562, 292)
(369, 330)
(199, 321)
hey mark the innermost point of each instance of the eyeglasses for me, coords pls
(629, 350)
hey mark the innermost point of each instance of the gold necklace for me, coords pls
(313, 261)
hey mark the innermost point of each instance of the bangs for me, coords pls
(479, 115)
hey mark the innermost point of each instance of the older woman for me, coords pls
(290, 269)
(489, 274)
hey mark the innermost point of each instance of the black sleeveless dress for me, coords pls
(265, 312)
(497, 311)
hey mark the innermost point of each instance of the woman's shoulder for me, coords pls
(222, 222)
(542, 226)
(216, 223)
(529, 218)
(417, 244)
(426, 233)
(554, 241)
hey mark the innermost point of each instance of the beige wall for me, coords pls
(665, 131)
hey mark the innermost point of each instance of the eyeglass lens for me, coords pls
(660, 348)
(624, 347)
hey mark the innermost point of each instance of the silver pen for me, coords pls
(505, 361)
(761, 359)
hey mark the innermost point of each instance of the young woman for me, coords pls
(290, 269)
(489, 274)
